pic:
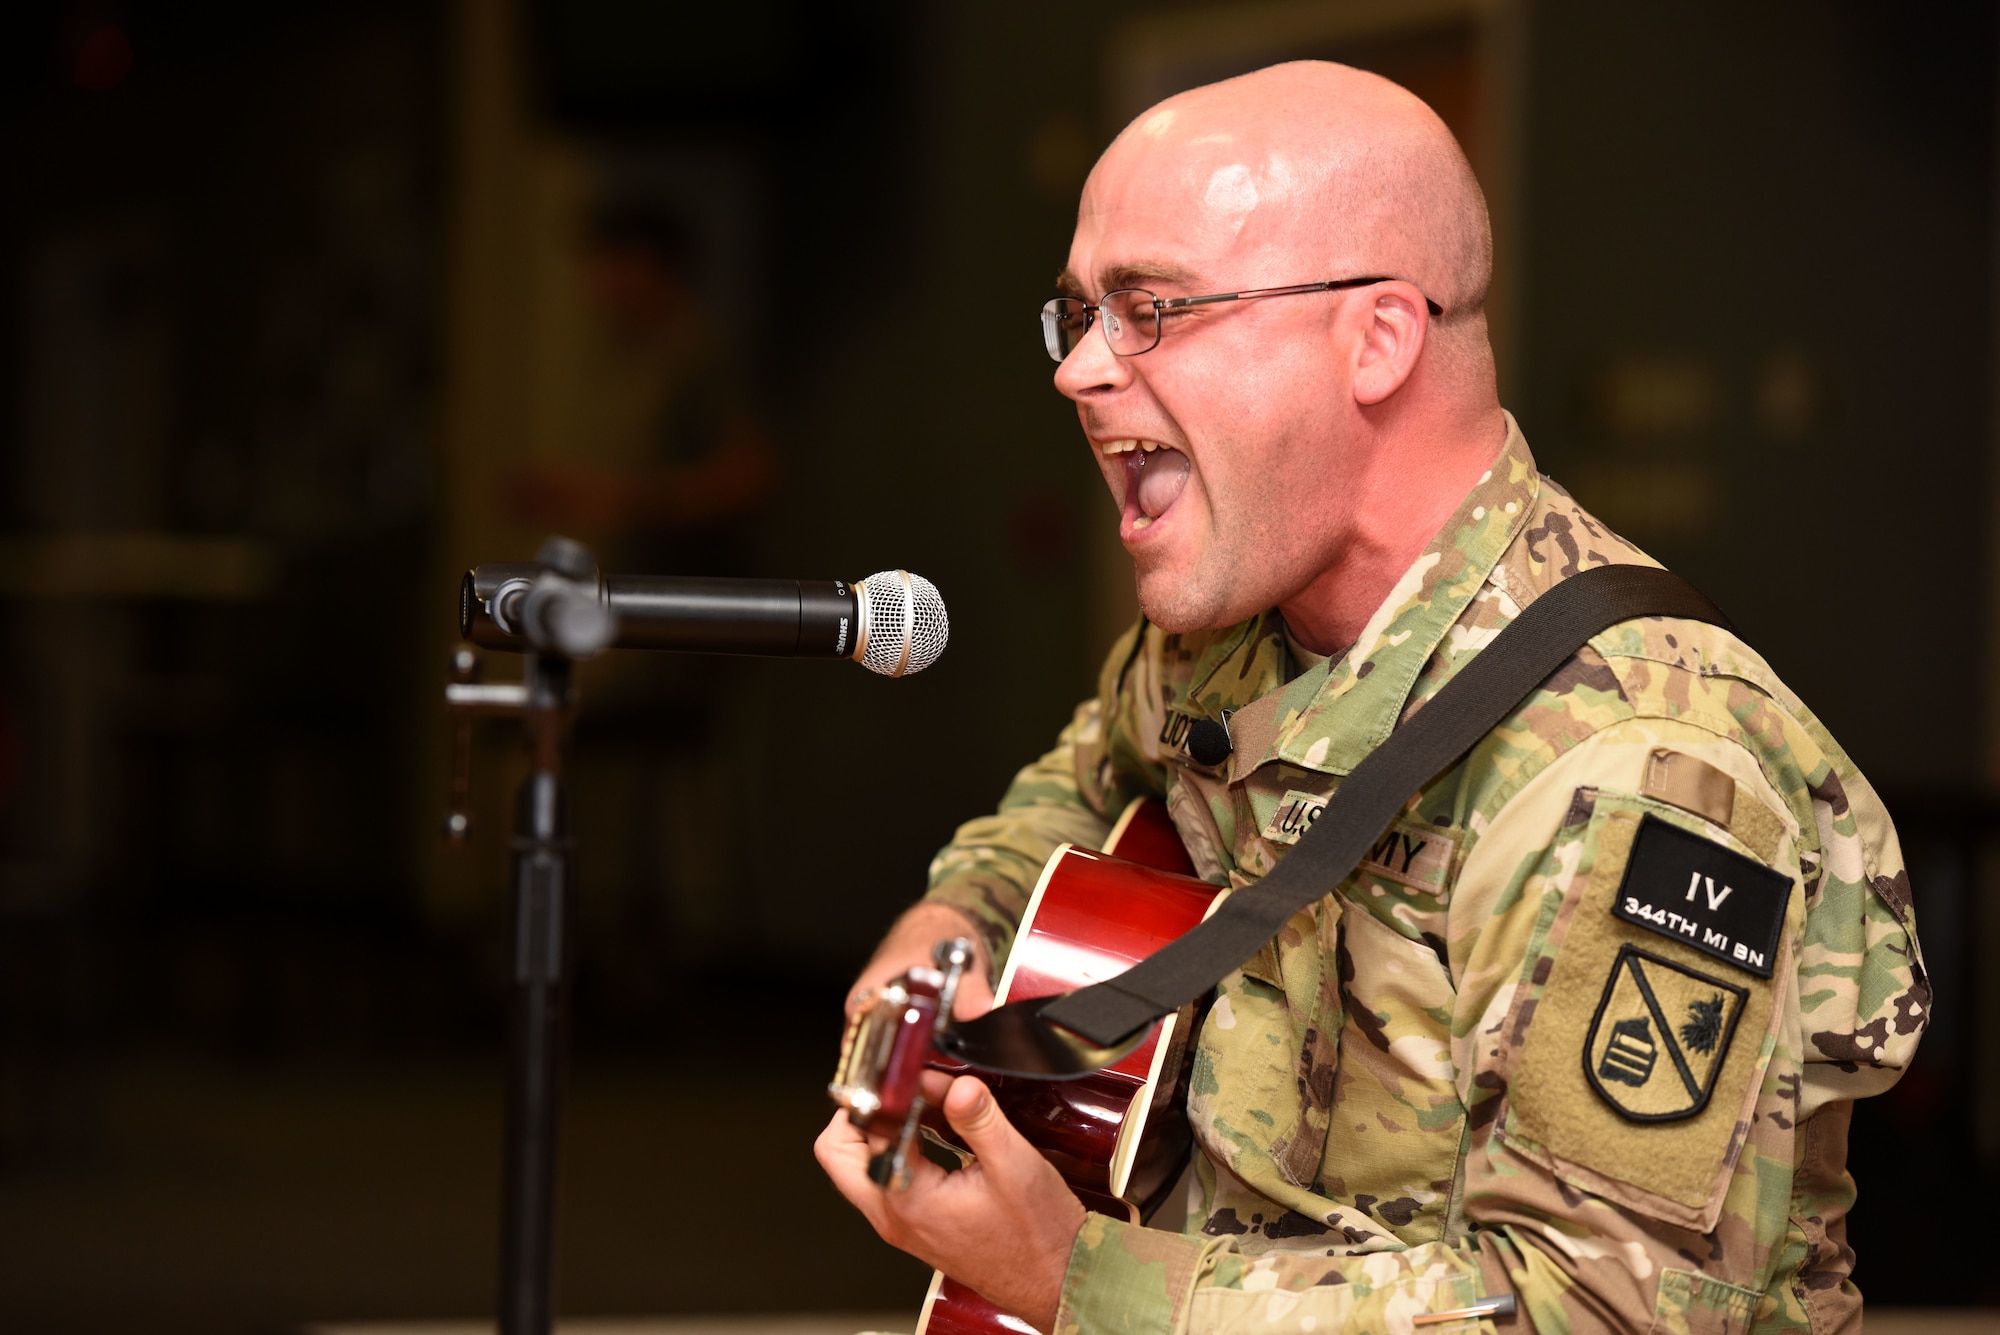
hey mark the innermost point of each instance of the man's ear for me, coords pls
(1390, 345)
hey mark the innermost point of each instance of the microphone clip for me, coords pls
(559, 608)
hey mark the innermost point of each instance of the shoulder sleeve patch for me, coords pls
(1638, 1056)
(1696, 891)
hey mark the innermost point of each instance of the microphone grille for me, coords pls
(904, 628)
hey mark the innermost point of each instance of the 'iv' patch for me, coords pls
(1695, 891)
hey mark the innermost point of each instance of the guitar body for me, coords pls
(1118, 1135)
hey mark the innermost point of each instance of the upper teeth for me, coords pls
(1127, 446)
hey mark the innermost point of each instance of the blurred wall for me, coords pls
(222, 339)
(1719, 200)
(900, 445)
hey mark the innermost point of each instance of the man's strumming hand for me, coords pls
(1004, 1224)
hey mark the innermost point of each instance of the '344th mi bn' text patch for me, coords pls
(1695, 891)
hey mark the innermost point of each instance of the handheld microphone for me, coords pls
(893, 622)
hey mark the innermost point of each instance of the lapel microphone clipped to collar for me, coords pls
(1208, 741)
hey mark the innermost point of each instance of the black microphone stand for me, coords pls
(556, 611)
(563, 620)
(536, 1032)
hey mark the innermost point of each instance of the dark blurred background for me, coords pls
(310, 306)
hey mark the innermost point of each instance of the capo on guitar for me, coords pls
(887, 1045)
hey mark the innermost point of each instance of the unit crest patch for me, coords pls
(1659, 1037)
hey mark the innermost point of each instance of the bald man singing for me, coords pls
(1489, 1063)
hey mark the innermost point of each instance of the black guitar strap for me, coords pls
(1077, 1032)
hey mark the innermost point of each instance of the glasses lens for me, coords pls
(1064, 321)
(1131, 321)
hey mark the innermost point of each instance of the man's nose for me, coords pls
(1092, 369)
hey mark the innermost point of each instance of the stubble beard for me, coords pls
(1249, 571)
(1174, 607)
(1248, 559)
(1199, 599)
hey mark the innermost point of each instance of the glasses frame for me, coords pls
(1094, 311)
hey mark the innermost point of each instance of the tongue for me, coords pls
(1162, 474)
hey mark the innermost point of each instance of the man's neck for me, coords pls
(1406, 506)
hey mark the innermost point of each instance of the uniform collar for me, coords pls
(1234, 667)
(1330, 717)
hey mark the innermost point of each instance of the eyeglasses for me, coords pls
(1132, 316)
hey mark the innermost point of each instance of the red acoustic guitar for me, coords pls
(1118, 1135)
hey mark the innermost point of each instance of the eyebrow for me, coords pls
(1132, 275)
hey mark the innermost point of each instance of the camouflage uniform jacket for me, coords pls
(1507, 1054)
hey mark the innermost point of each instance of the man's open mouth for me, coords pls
(1154, 477)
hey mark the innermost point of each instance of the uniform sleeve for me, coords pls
(1142, 1281)
(1070, 795)
(1638, 1154)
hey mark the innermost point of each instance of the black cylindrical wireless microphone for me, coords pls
(892, 622)
(788, 617)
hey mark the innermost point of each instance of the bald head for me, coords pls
(1325, 170)
(1295, 452)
